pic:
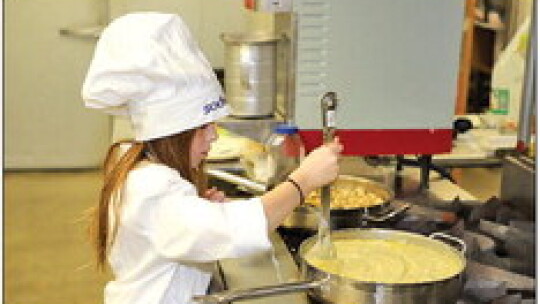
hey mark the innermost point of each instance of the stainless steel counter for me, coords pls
(266, 269)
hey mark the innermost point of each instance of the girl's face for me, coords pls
(202, 141)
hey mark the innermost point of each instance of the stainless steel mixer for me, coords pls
(250, 73)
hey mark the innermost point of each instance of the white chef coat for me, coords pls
(168, 235)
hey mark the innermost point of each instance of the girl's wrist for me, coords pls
(301, 195)
(301, 181)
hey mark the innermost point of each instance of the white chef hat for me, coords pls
(148, 66)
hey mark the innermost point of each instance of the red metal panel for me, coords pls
(381, 142)
(249, 4)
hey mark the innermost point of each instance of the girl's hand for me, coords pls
(215, 195)
(320, 167)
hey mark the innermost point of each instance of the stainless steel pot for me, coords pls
(305, 217)
(250, 73)
(332, 288)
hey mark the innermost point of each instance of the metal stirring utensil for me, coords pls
(328, 107)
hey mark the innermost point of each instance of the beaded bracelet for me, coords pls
(297, 186)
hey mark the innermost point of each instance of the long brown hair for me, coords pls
(172, 151)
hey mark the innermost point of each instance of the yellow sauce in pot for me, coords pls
(388, 261)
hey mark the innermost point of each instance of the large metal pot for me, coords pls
(333, 288)
(250, 73)
(306, 217)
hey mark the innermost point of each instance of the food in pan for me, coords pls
(351, 192)
(388, 261)
(228, 146)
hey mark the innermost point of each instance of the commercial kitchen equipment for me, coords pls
(396, 76)
(250, 74)
(490, 273)
(393, 63)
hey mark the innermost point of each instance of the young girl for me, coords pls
(157, 225)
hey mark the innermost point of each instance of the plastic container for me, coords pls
(507, 81)
(286, 150)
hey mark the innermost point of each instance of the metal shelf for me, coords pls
(93, 31)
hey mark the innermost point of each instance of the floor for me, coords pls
(47, 258)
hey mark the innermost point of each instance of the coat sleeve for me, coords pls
(194, 229)
(184, 226)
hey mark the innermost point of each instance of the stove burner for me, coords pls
(501, 267)
(496, 210)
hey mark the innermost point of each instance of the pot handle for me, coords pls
(454, 240)
(252, 293)
(387, 216)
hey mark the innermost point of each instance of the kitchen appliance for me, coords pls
(250, 74)
(393, 63)
(396, 74)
